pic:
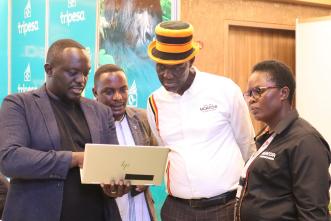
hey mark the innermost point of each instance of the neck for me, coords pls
(119, 118)
(188, 82)
(285, 110)
(51, 94)
(61, 99)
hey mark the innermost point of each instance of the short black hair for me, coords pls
(279, 73)
(55, 50)
(105, 68)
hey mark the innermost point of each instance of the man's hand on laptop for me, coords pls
(116, 189)
(77, 159)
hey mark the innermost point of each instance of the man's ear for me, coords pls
(285, 92)
(192, 61)
(95, 93)
(48, 69)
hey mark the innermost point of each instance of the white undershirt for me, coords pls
(131, 208)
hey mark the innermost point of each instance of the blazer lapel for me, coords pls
(134, 127)
(44, 105)
(92, 120)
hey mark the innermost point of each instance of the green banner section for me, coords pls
(3, 49)
(27, 48)
(75, 19)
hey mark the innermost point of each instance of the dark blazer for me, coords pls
(142, 135)
(139, 127)
(4, 185)
(30, 155)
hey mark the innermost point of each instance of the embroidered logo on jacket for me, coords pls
(268, 155)
(208, 107)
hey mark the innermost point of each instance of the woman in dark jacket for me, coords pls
(287, 178)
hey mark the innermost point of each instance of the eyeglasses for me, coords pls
(257, 92)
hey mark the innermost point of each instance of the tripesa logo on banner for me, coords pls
(27, 25)
(133, 95)
(27, 78)
(71, 15)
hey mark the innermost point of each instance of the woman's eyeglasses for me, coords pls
(257, 92)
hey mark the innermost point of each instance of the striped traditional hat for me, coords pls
(173, 44)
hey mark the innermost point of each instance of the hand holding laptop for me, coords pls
(77, 159)
(116, 190)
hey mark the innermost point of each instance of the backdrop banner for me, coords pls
(3, 50)
(28, 42)
(77, 20)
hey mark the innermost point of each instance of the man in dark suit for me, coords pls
(4, 185)
(132, 128)
(42, 137)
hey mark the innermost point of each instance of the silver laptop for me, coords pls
(141, 165)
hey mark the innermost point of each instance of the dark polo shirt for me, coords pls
(290, 179)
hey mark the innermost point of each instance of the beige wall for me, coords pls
(209, 20)
(313, 73)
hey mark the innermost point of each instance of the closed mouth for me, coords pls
(169, 84)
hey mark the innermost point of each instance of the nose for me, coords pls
(167, 74)
(81, 78)
(250, 100)
(117, 96)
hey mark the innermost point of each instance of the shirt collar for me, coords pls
(285, 123)
(191, 90)
(281, 126)
(119, 121)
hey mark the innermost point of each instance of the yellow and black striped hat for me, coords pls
(173, 44)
